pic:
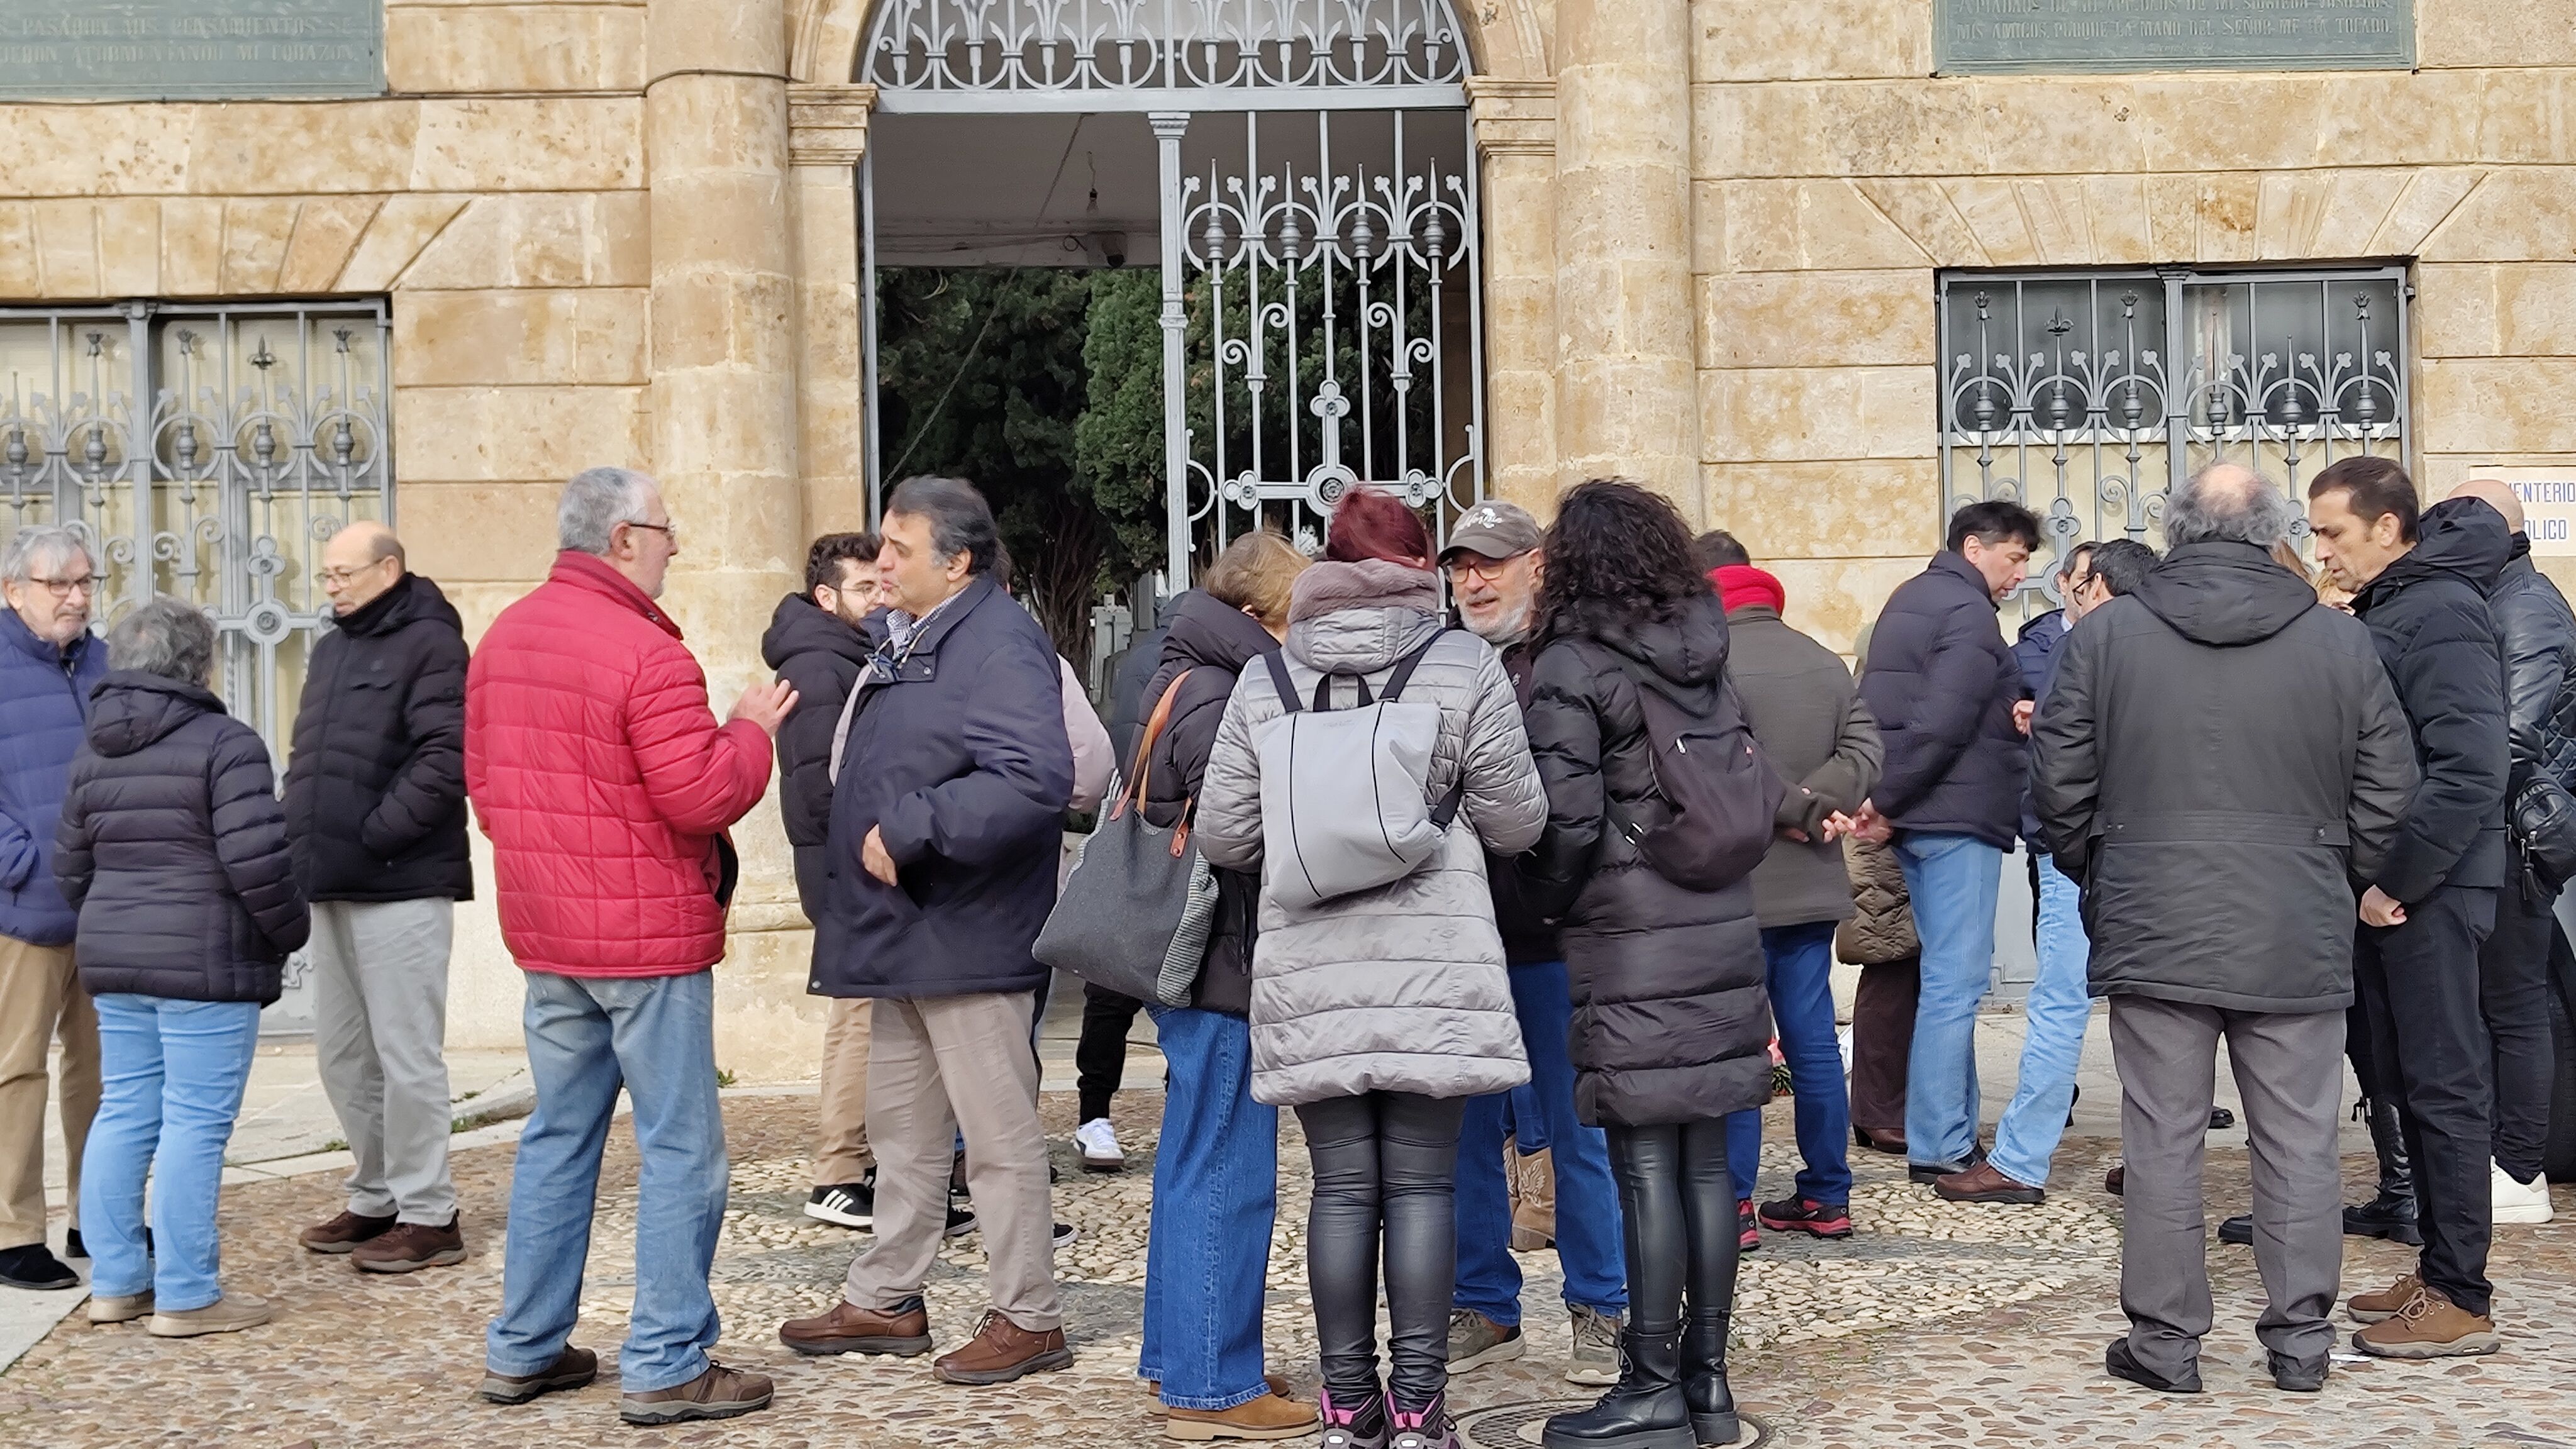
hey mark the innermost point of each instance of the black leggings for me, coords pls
(1678, 1207)
(1385, 1159)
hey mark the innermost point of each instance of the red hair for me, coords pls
(1373, 523)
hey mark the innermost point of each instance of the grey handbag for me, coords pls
(1135, 914)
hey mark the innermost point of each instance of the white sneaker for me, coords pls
(1098, 1143)
(2520, 1202)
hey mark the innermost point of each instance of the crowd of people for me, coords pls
(1558, 851)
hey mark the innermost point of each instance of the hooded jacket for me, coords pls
(173, 849)
(820, 657)
(2428, 615)
(1942, 686)
(2537, 632)
(1401, 988)
(2219, 758)
(44, 701)
(1808, 719)
(1670, 1020)
(375, 787)
(1211, 643)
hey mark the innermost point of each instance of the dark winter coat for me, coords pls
(1213, 642)
(961, 762)
(375, 787)
(1670, 1020)
(173, 849)
(1530, 937)
(1130, 670)
(2034, 650)
(2537, 632)
(44, 700)
(1942, 687)
(818, 655)
(2428, 614)
(1808, 719)
(2218, 759)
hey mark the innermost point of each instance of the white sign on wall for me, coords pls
(2548, 505)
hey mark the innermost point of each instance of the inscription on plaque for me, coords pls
(2124, 35)
(191, 49)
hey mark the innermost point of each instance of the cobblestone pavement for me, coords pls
(1936, 1324)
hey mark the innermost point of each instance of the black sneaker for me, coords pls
(35, 1266)
(847, 1204)
(1064, 1235)
(2238, 1230)
(73, 1247)
(961, 1221)
(1806, 1215)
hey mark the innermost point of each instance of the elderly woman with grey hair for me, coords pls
(173, 850)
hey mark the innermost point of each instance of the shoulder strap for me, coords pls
(1289, 703)
(1404, 667)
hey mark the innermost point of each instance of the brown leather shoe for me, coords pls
(573, 1368)
(1002, 1351)
(1982, 1183)
(2429, 1326)
(2116, 1181)
(2372, 1307)
(845, 1327)
(410, 1247)
(1272, 1416)
(343, 1233)
(719, 1393)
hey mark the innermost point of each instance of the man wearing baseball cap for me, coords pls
(1493, 561)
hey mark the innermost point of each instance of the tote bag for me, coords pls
(1139, 899)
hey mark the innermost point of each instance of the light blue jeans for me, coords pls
(2058, 1011)
(1216, 1196)
(1953, 880)
(587, 1036)
(171, 1075)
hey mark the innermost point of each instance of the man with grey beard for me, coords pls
(1493, 562)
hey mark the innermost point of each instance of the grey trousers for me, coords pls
(2289, 1072)
(380, 1030)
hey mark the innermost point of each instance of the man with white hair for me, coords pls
(48, 661)
(606, 786)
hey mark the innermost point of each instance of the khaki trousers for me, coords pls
(937, 1066)
(41, 1000)
(841, 1145)
(380, 1036)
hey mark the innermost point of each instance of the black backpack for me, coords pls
(1722, 794)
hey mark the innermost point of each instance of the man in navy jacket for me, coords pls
(1943, 687)
(48, 661)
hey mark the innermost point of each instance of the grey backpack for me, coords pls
(1344, 791)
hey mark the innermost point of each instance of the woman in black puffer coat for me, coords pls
(173, 849)
(1671, 1027)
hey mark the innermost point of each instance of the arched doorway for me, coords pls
(1301, 172)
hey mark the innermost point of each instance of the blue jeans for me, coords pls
(1216, 1197)
(1588, 1242)
(2058, 1011)
(1799, 962)
(1953, 880)
(587, 1036)
(171, 1075)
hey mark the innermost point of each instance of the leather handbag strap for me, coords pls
(1144, 761)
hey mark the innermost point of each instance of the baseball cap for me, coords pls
(1494, 529)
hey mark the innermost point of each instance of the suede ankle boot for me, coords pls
(1644, 1410)
(1704, 1386)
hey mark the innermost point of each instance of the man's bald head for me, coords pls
(359, 563)
(2498, 496)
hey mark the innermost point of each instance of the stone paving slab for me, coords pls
(1935, 1324)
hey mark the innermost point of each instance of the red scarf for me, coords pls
(1741, 585)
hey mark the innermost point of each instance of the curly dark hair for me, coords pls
(1617, 553)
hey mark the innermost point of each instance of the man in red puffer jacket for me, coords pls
(606, 786)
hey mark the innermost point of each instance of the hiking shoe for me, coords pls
(1595, 1359)
(719, 1393)
(120, 1307)
(1932, 1172)
(2429, 1326)
(1097, 1143)
(1748, 1233)
(1362, 1426)
(2373, 1307)
(411, 1247)
(573, 1368)
(35, 1266)
(844, 1205)
(344, 1233)
(1428, 1427)
(229, 1314)
(2516, 1201)
(1272, 1416)
(1806, 1215)
(2123, 1364)
(1475, 1340)
(845, 1327)
(1002, 1351)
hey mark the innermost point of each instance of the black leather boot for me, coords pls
(1704, 1388)
(2392, 1213)
(1644, 1410)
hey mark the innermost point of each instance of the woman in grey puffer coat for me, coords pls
(1377, 1014)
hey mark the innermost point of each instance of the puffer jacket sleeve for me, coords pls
(75, 864)
(2452, 669)
(1505, 799)
(700, 776)
(250, 837)
(1014, 792)
(431, 785)
(1958, 683)
(1229, 825)
(805, 745)
(2065, 757)
(2383, 775)
(1565, 741)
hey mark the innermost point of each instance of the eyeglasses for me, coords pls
(86, 585)
(1489, 570)
(342, 576)
(670, 531)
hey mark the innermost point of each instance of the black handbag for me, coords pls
(2544, 825)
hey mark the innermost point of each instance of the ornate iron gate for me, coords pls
(2088, 397)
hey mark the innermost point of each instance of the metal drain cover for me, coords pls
(1517, 1426)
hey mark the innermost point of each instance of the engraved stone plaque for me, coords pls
(183, 49)
(1972, 36)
